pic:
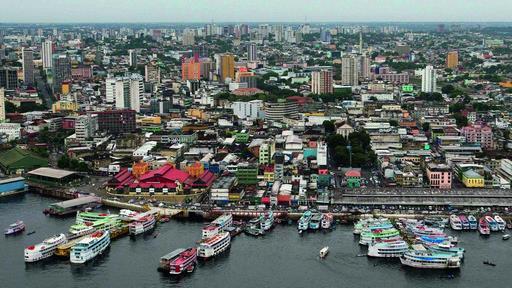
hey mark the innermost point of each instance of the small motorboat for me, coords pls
(15, 228)
(31, 232)
(156, 234)
(506, 237)
(324, 251)
(489, 263)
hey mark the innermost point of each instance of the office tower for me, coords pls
(325, 35)
(252, 52)
(116, 121)
(188, 37)
(125, 92)
(28, 66)
(47, 54)
(452, 60)
(152, 72)
(132, 58)
(86, 127)
(227, 67)
(361, 42)
(191, 69)
(279, 33)
(2, 105)
(61, 70)
(349, 74)
(321, 82)
(8, 78)
(364, 67)
(428, 79)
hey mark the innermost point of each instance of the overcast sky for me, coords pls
(253, 10)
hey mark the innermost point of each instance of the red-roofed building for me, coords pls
(353, 178)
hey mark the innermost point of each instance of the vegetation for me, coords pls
(362, 155)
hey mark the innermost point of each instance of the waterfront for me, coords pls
(280, 259)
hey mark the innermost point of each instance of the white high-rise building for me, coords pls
(428, 79)
(47, 54)
(364, 67)
(247, 110)
(349, 71)
(252, 52)
(86, 126)
(28, 65)
(125, 92)
(132, 58)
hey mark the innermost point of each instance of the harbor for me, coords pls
(280, 250)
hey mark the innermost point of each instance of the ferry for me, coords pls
(102, 224)
(446, 248)
(267, 221)
(89, 247)
(213, 246)
(327, 220)
(483, 227)
(430, 260)
(365, 223)
(186, 261)
(45, 249)
(314, 223)
(303, 223)
(378, 234)
(142, 225)
(77, 231)
(455, 222)
(218, 225)
(464, 221)
(500, 222)
(254, 230)
(15, 228)
(388, 249)
(422, 230)
(166, 260)
(493, 225)
(82, 217)
(127, 215)
(473, 224)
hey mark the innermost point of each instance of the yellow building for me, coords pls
(65, 88)
(227, 67)
(197, 113)
(195, 170)
(60, 106)
(150, 120)
(471, 179)
(452, 59)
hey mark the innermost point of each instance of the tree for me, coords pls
(63, 161)
(329, 127)
(425, 126)
(448, 89)
(10, 107)
(457, 107)
(393, 123)
(460, 119)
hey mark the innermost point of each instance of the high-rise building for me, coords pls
(61, 70)
(47, 54)
(86, 127)
(2, 105)
(188, 37)
(428, 79)
(452, 60)
(252, 52)
(8, 78)
(116, 121)
(132, 58)
(28, 66)
(321, 82)
(152, 72)
(349, 73)
(364, 67)
(191, 69)
(227, 67)
(125, 91)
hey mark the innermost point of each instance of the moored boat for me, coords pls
(15, 228)
(213, 246)
(83, 217)
(493, 225)
(314, 223)
(166, 260)
(254, 230)
(216, 226)
(483, 227)
(303, 223)
(185, 262)
(45, 249)
(455, 222)
(446, 248)
(368, 237)
(142, 225)
(500, 222)
(267, 221)
(90, 247)
(464, 221)
(473, 224)
(327, 220)
(388, 249)
(430, 260)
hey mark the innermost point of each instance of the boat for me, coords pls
(213, 246)
(267, 222)
(446, 248)
(142, 225)
(82, 217)
(464, 221)
(166, 260)
(489, 263)
(77, 231)
(506, 237)
(429, 260)
(388, 249)
(368, 237)
(422, 230)
(324, 251)
(303, 223)
(327, 220)
(164, 219)
(185, 262)
(15, 228)
(90, 247)
(216, 226)
(254, 230)
(316, 219)
(455, 222)
(45, 249)
(500, 222)
(31, 232)
(363, 224)
(473, 224)
(101, 224)
(493, 225)
(483, 227)
(127, 215)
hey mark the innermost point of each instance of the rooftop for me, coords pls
(51, 172)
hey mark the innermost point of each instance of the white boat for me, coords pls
(45, 249)
(267, 222)
(455, 222)
(506, 237)
(218, 225)
(327, 220)
(127, 215)
(84, 217)
(500, 222)
(388, 249)
(430, 260)
(213, 246)
(142, 225)
(303, 223)
(324, 251)
(89, 247)
(77, 231)
(15, 228)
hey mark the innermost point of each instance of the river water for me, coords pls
(280, 259)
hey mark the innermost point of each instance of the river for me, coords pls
(280, 259)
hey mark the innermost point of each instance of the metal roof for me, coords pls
(51, 172)
(76, 202)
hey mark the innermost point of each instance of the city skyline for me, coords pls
(136, 11)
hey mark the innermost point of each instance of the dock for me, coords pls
(73, 205)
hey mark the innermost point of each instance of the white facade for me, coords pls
(47, 54)
(428, 80)
(349, 71)
(247, 110)
(125, 92)
(12, 130)
(321, 154)
(86, 126)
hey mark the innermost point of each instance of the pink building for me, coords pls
(439, 176)
(479, 134)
